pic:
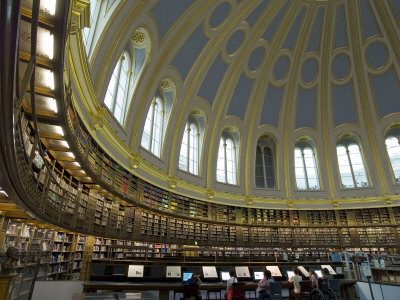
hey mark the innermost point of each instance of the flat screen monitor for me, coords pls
(173, 272)
(242, 272)
(187, 276)
(135, 271)
(303, 271)
(224, 276)
(329, 267)
(319, 273)
(209, 272)
(258, 275)
(290, 274)
(275, 272)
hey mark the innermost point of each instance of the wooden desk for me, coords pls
(165, 287)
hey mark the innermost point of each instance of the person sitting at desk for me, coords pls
(326, 274)
(296, 279)
(190, 292)
(263, 286)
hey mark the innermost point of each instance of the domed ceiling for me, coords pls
(284, 72)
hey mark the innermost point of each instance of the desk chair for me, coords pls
(305, 290)
(191, 292)
(215, 292)
(334, 284)
(276, 290)
(179, 293)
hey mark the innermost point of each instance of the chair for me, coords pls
(190, 292)
(215, 292)
(276, 290)
(334, 284)
(305, 290)
(238, 290)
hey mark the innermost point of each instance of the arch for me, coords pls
(265, 175)
(306, 165)
(351, 165)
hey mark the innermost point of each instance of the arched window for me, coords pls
(117, 92)
(306, 170)
(227, 160)
(153, 128)
(393, 149)
(189, 155)
(265, 165)
(351, 164)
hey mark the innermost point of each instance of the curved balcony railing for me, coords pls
(140, 211)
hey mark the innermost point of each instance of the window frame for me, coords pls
(301, 146)
(264, 169)
(394, 136)
(346, 143)
(234, 153)
(125, 57)
(196, 160)
(152, 109)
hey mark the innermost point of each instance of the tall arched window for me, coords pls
(351, 164)
(153, 128)
(117, 92)
(189, 155)
(306, 170)
(227, 160)
(265, 165)
(87, 32)
(393, 149)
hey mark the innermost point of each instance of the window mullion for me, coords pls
(127, 85)
(305, 169)
(351, 167)
(116, 86)
(263, 168)
(188, 148)
(226, 164)
(153, 108)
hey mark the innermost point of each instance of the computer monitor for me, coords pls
(290, 274)
(275, 272)
(135, 271)
(186, 276)
(225, 276)
(319, 273)
(209, 272)
(258, 275)
(242, 272)
(173, 272)
(303, 271)
(329, 267)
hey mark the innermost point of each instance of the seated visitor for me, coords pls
(263, 286)
(296, 279)
(326, 274)
(191, 291)
(313, 278)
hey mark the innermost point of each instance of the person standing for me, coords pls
(229, 289)
(263, 286)
(296, 279)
